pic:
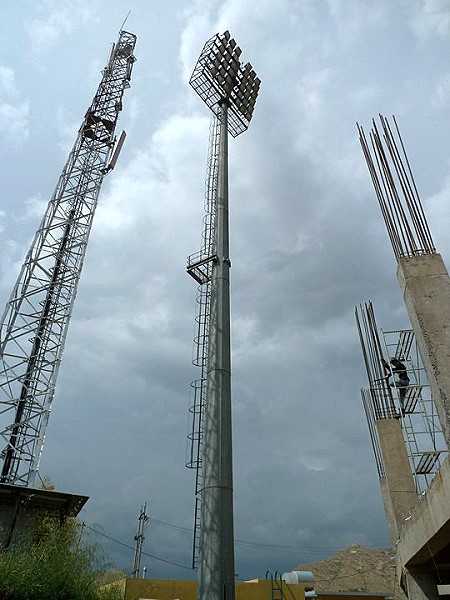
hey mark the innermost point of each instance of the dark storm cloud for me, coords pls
(308, 244)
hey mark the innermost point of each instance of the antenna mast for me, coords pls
(34, 324)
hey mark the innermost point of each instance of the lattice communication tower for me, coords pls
(35, 321)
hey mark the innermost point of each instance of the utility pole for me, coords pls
(139, 539)
(34, 325)
(229, 89)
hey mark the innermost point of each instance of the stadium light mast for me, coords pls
(229, 89)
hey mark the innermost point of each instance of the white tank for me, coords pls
(306, 578)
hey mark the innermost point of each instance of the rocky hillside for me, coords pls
(354, 569)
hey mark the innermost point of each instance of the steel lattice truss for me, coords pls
(34, 324)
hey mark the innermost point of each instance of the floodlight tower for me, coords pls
(34, 324)
(229, 89)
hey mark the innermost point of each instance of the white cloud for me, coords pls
(7, 81)
(441, 97)
(68, 126)
(35, 207)
(431, 18)
(14, 112)
(159, 176)
(353, 23)
(14, 121)
(61, 18)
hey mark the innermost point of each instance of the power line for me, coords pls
(275, 547)
(132, 548)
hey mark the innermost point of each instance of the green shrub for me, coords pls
(51, 567)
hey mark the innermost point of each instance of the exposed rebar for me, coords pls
(396, 190)
(370, 416)
(380, 392)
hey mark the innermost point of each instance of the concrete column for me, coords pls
(398, 489)
(420, 585)
(425, 285)
(389, 511)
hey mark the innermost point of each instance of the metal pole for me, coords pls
(216, 569)
(139, 538)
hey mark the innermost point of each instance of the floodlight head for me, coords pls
(219, 77)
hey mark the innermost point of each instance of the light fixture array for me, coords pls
(219, 77)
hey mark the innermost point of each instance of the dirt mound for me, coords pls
(354, 569)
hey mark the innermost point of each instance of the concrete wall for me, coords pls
(352, 596)
(398, 489)
(425, 285)
(428, 529)
(172, 589)
(389, 511)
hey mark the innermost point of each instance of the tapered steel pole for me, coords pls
(216, 569)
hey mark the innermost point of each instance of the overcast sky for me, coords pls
(307, 244)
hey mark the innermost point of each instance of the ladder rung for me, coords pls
(411, 397)
(427, 462)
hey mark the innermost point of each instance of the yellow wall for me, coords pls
(354, 596)
(171, 589)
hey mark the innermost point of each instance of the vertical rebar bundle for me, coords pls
(377, 374)
(35, 321)
(396, 190)
(371, 418)
(377, 401)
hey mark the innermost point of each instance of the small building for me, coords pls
(20, 506)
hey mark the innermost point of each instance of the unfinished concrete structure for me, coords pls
(422, 537)
(425, 285)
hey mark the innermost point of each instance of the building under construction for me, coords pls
(407, 402)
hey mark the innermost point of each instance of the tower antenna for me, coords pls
(34, 325)
(124, 21)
